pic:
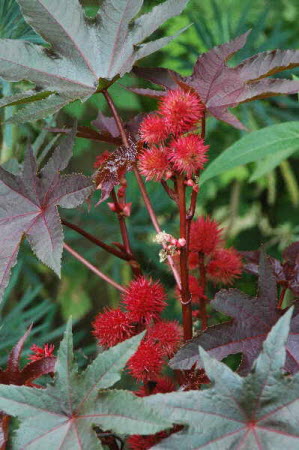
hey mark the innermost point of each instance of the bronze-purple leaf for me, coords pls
(107, 126)
(286, 272)
(28, 207)
(221, 87)
(253, 318)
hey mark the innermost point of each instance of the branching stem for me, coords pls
(96, 241)
(93, 268)
(140, 182)
(185, 293)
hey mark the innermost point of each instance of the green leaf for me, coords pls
(23, 97)
(270, 162)
(63, 415)
(82, 51)
(257, 412)
(255, 146)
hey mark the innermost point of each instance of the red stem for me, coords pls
(141, 185)
(93, 268)
(155, 223)
(192, 208)
(96, 241)
(202, 282)
(125, 236)
(185, 294)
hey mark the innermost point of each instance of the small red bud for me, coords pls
(181, 242)
(189, 182)
(111, 206)
(127, 209)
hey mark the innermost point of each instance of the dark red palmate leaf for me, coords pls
(89, 133)
(13, 374)
(221, 87)
(253, 318)
(286, 272)
(107, 125)
(28, 207)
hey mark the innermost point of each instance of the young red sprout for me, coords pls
(41, 352)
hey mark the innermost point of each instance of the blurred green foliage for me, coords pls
(264, 211)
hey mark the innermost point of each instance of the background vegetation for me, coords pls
(264, 211)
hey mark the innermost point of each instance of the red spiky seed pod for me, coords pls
(225, 266)
(146, 363)
(153, 129)
(144, 300)
(167, 335)
(181, 110)
(195, 289)
(153, 163)
(160, 385)
(112, 327)
(205, 235)
(188, 154)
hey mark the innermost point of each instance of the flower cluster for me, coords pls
(171, 245)
(143, 303)
(169, 149)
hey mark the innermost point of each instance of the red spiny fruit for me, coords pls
(166, 335)
(153, 129)
(195, 289)
(100, 159)
(161, 385)
(181, 110)
(41, 352)
(138, 442)
(153, 163)
(146, 363)
(193, 260)
(144, 300)
(188, 154)
(112, 327)
(225, 266)
(205, 235)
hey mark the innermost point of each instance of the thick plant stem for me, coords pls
(202, 282)
(185, 293)
(96, 241)
(125, 236)
(121, 218)
(93, 268)
(192, 207)
(140, 182)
